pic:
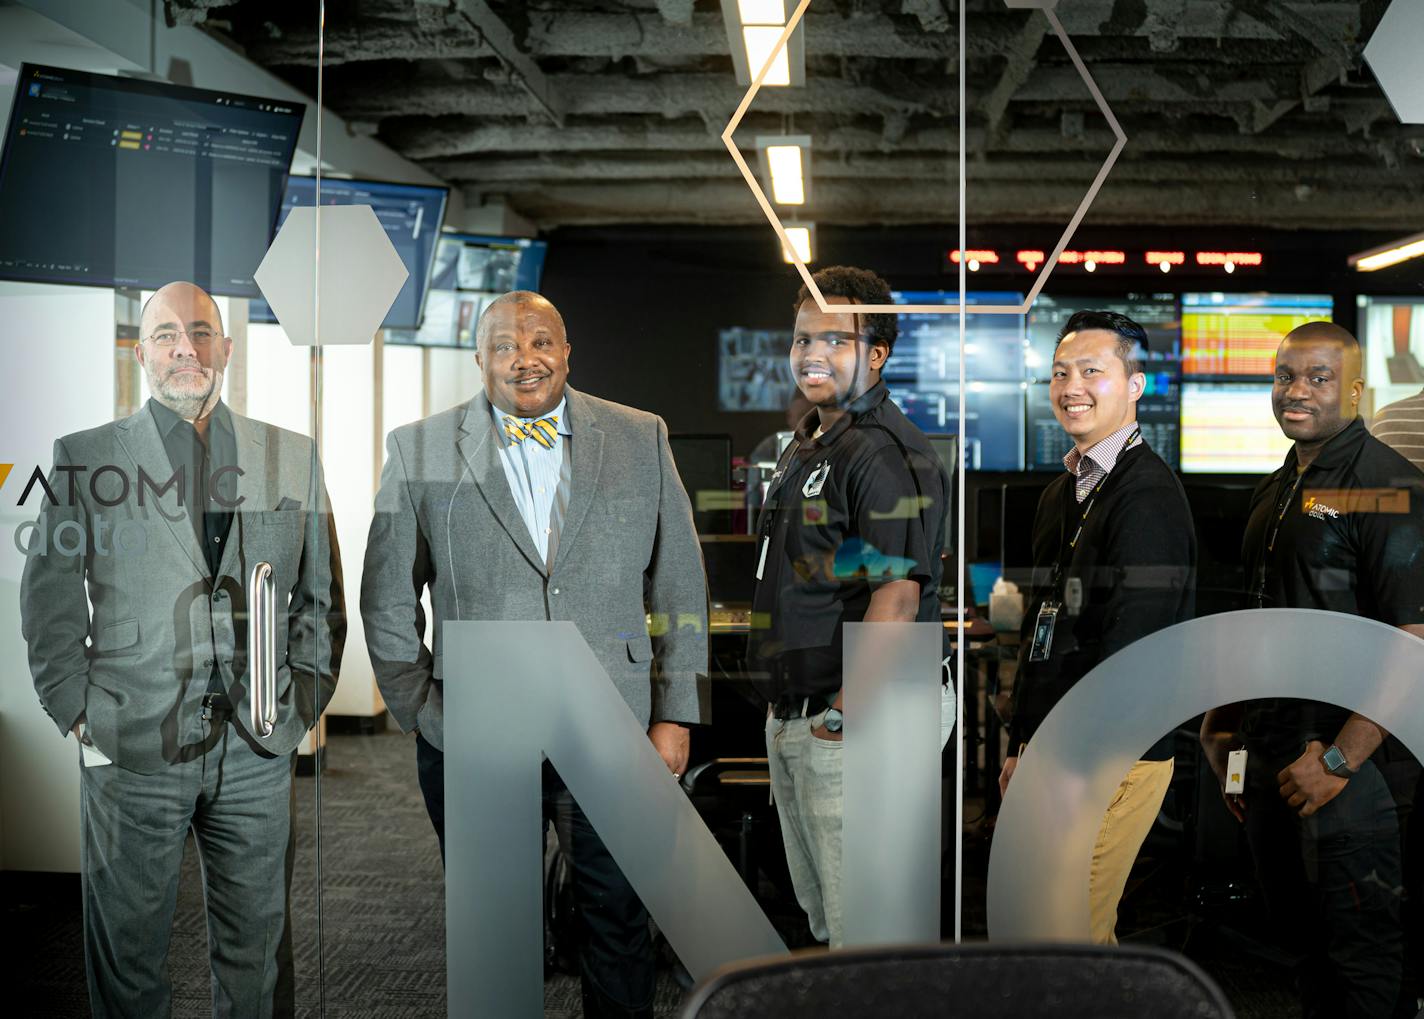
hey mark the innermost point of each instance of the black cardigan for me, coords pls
(1136, 560)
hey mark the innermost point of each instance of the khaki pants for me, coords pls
(1125, 826)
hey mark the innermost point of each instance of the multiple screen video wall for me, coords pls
(88, 157)
(1207, 404)
(1206, 407)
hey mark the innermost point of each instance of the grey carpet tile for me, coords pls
(383, 914)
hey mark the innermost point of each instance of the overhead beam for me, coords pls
(444, 149)
(849, 204)
(501, 41)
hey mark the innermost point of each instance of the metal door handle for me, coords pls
(262, 648)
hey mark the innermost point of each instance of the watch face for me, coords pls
(1334, 761)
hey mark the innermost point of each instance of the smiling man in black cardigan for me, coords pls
(1114, 559)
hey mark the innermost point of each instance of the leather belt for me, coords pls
(800, 707)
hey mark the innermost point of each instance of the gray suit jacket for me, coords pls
(446, 519)
(138, 665)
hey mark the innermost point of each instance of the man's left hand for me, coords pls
(673, 743)
(1306, 785)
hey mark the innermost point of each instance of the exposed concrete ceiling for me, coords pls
(1252, 112)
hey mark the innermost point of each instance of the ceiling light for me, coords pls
(1393, 253)
(1090, 265)
(753, 29)
(786, 160)
(974, 265)
(802, 237)
(1165, 265)
(1230, 267)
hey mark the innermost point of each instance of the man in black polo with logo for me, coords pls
(851, 531)
(1332, 529)
(1114, 559)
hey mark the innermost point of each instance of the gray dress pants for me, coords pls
(239, 804)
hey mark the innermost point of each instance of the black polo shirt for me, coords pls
(1351, 539)
(203, 463)
(860, 506)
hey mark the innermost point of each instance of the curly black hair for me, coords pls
(1132, 342)
(861, 286)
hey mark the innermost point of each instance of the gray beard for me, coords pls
(189, 408)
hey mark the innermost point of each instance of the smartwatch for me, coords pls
(1335, 762)
(833, 720)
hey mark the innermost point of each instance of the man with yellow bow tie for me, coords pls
(535, 501)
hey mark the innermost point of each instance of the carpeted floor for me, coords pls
(383, 914)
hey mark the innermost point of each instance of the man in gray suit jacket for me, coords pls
(534, 501)
(172, 508)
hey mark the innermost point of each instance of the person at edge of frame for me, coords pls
(1334, 528)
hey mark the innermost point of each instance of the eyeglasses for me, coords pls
(169, 337)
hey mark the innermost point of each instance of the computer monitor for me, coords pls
(1158, 411)
(121, 182)
(470, 271)
(704, 462)
(754, 369)
(1392, 331)
(1229, 428)
(411, 215)
(923, 374)
(1229, 337)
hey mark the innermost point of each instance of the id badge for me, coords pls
(1043, 632)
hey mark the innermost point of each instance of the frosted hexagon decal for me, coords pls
(360, 275)
(1393, 54)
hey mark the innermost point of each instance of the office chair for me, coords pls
(983, 981)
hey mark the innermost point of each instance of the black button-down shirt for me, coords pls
(1350, 539)
(860, 506)
(209, 474)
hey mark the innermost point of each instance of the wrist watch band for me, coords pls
(1335, 762)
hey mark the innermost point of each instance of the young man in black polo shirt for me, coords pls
(1335, 529)
(851, 531)
(1114, 555)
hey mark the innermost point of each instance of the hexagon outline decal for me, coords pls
(932, 309)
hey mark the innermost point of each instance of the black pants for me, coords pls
(1333, 885)
(615, 948)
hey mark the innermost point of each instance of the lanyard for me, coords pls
(1061, 564)
(1282, 507)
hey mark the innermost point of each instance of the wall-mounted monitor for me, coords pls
(411, 215)
(923, 375)
(470, 271)
(1229, 428)
(1158, 412)
(1392, 331)
(120, 182)
(1235, 336)
(754, 369)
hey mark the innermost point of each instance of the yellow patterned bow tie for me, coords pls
(541, 431)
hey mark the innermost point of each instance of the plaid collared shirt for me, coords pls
(1091, 466)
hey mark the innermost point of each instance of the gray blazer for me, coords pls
(137, 665)
(446, 519)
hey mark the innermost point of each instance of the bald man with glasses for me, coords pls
(139, 648)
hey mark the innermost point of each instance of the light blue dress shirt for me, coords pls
(533, 473)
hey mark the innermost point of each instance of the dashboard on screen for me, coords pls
(120, 182)
(411, 215)
(1229, 428)
(1235, 336)
(923, 375)
(1159, 409)
(470, 271)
